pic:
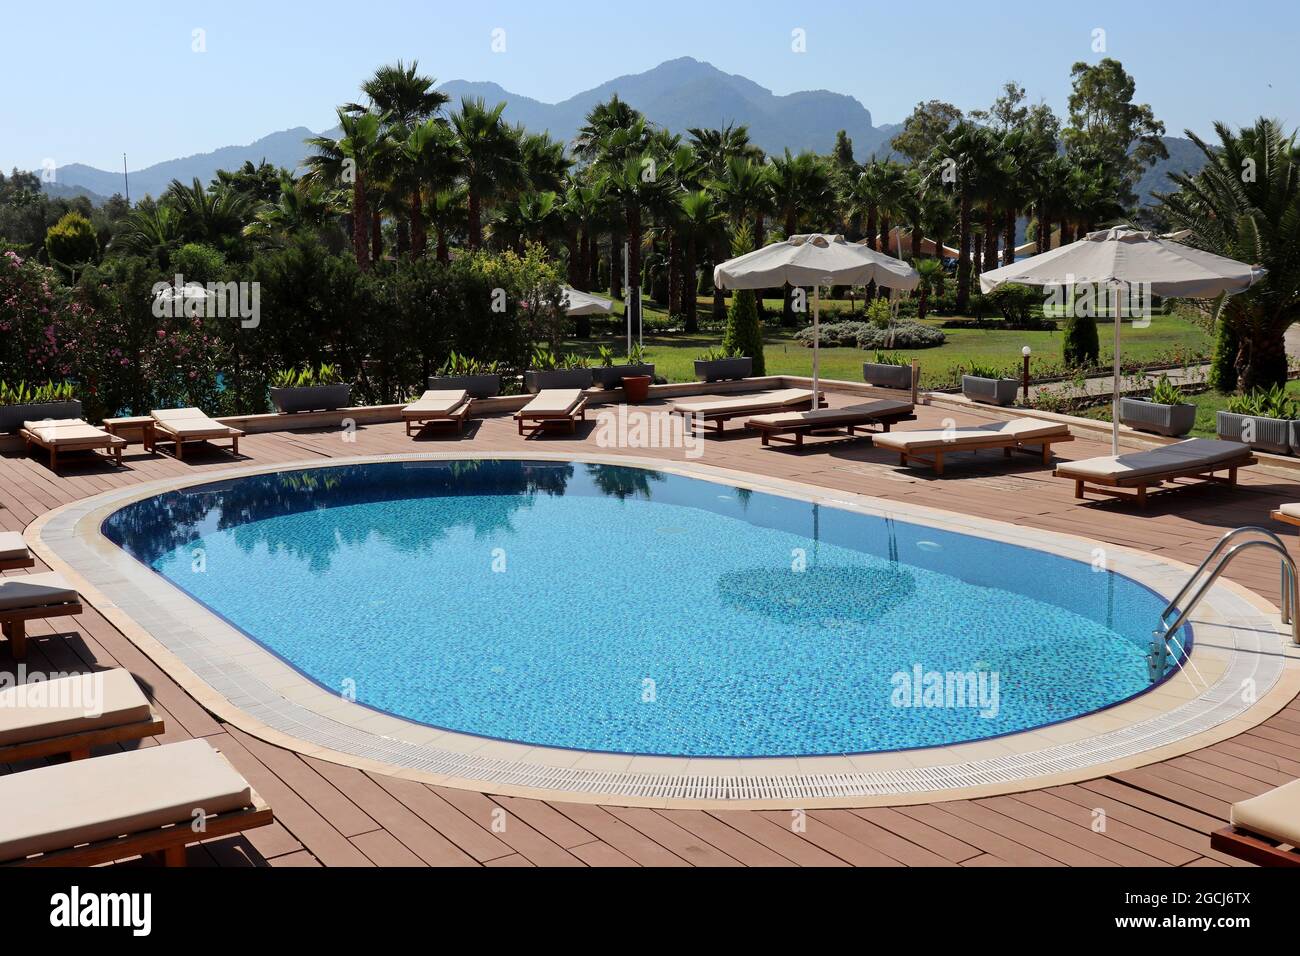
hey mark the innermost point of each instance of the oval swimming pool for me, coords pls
(615, 608)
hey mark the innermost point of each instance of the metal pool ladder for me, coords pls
(1158, 658)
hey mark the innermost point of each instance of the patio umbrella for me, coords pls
(814, 260)
(584, 303)
(1123, 257)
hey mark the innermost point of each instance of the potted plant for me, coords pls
(1262, 420)
(23, 403)
(609, 375)
(718, 365)
(982, 383)
(549, 370)
(889, 370)
(478, 379)
(1164, 412)
(310, 389)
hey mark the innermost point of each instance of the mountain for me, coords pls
(1184, 157)
(678, 94)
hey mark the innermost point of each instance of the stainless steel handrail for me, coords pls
(1289, 608)
(1289, 575)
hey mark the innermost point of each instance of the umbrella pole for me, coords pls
(1114, 406)
(816, 346)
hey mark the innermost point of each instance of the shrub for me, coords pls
(907, 334)
(1165, 392)
(199, 263)
(1274, 403)
(1017, 303)
(744, 331)
(72, 241)
(1080, 345)
(835, 334)
(1223, 366)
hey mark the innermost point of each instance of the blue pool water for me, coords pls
(620, 609)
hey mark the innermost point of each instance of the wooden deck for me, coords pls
(331, 815)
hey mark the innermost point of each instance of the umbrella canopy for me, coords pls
(583, 303)
(1126, 257)
(814, 260)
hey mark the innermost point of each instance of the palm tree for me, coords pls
(956, 163)
(893, 191)
(350, 160)
(447, 212)
(302, 206)
(717, 147)
(533, 217)
(402, 94)
(214, 216)
(701, 224)
(931, 273)
(601, 120)
(151, 230)
(1254, 219)
(490, 158)
(637, 183)
(743, 191)
(430, 162)
(801, 188)
(939, 217)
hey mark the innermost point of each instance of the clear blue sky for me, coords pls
(87, 80)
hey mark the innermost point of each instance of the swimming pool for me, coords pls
(621, 609)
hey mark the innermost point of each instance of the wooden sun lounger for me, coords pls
(70, 715)
(14, 555)
(1265, 829)
(551, 407)
(59, 436)
(154, 801)
(31, 597)
(1129, 476)
(181, 425)
(1020, 434)
(791, 427)
(1287, 514)
(703, 412)
(446, 407)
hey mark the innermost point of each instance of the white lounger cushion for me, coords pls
(12, 546)
(114, 695)
(1168, 458)
(829, 417)
(748, 402)
(552, 403)
(1017, 430)
(436, 402)
(64, 805)
(1291, 511)
(68, 431)
(190, 423)
(1275, 814)
(20, 592)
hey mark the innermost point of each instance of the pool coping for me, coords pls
(1238, 639)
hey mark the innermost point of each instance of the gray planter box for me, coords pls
(611, 376)
(311, 398)
(887, 376)
(719, 370)
(991, 391)
(13, 416)
(1270, 434)
(477, 386)
(559, 378)
(1148, 416)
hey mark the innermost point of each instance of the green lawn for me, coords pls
(674, 352)
(1207, 404)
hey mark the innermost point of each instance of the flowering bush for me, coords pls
(38, 318)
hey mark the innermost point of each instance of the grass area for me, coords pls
(674, 352)
(1207, 404)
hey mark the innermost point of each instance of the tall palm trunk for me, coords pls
(444, 254)
(592, 260)
(990, 241)
(916, 241)
(475, 227)
(674, 274)
(963, 256)
(419, 234)
(977, 262)
(1009, 237)
(691, 290)
(633, 216)
(616, 265)
(376, 235)
(1261, 356)
(360, 223)
(871, 228)
(719, 300)
(403, 238)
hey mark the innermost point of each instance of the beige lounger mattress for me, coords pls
(1011, 432)
(833, 416)
(747, 402)
(552, 403)
(12, 546)
(190, 423)
(107, 699)
(1275, 814)
(70, 431)
(1156, 461)
(435, 402)
(18, 592)
(61, 806)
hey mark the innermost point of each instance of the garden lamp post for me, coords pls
(1025, 375)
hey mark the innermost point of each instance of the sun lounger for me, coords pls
(62, 435)
(30, 597)
(1287, 514)
(1020, 434)
(155, 800)
(1265, 829)
(181, 425)
(718, 411)
(791, 427)
(13, 552)
(1198, 458)
(552, 406)
(448, 407)
(69, 715)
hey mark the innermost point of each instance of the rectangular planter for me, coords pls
(535, 381)
(1270, 434)
(611, 376)
(13, 416)
(1145, 415)
(887, 376)
(720, 370)
(311, 398)
(991, 391)
(477, 386)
